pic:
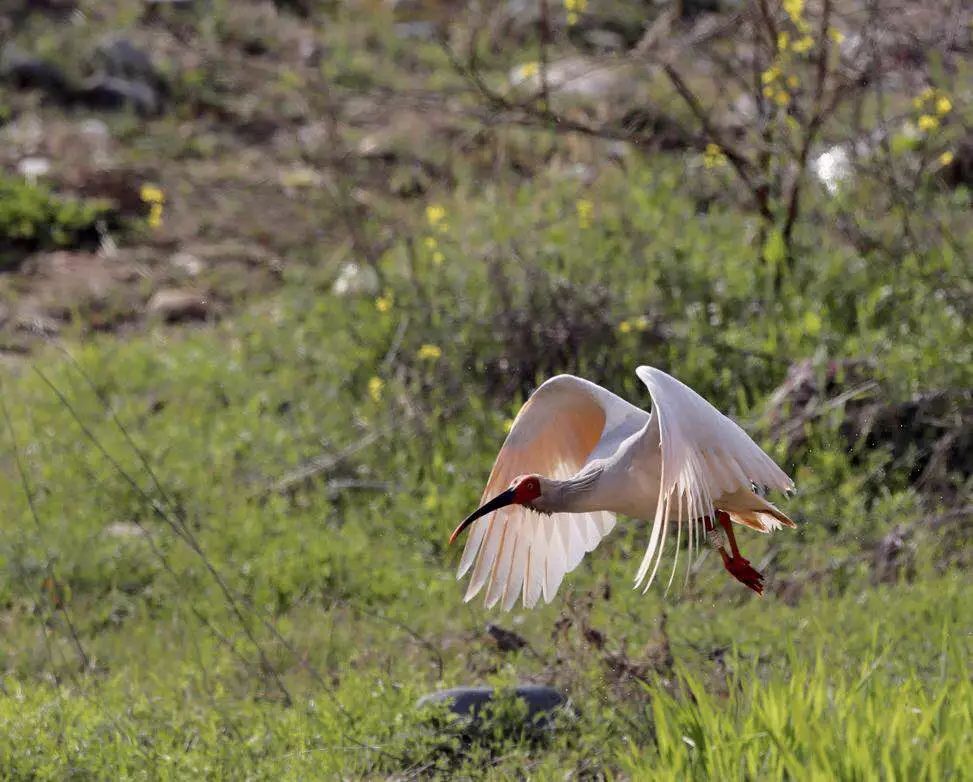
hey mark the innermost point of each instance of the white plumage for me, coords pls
(593, 455)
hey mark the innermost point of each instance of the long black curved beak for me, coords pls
(505, 498)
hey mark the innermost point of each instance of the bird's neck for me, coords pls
(572, 495)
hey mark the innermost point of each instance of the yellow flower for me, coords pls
(625, 326)
(508, 425)
(435, 214)
(713, 157)
(769, 91)
(431, 243)
(928, 122)
(384, 303)
(946, 158)
(584, 208)
(783, 40)
(793, 82)
(574, 8)
(944, 105)
(431, 352)
(926, 94)
(155, 215)
(152, 194)
(375, 386)
(782, 98)
(438, 258)
(641, 323)
(770, 75)
(794, 9)
(803, 44)
(836, 35)
(529, 69)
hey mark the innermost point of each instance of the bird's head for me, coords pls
(524, 490)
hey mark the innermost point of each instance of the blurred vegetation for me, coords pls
(32, 218)
(224, 545)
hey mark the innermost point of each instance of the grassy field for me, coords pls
(224, 542)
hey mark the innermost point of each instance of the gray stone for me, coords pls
(175, 304)
(26, 72)
(109, 92)
(469, 701)
(121, 58)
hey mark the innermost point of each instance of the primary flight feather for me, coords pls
(577, 455)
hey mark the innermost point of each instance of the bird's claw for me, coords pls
(740, 569)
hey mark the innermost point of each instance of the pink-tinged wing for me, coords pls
(707, 461)
(519, 552)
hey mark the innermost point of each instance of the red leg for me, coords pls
(736, 565)
(724, 519)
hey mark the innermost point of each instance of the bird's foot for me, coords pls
(740, 569)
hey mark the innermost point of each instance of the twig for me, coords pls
(320, 464)
(60, 604)
(178, 527)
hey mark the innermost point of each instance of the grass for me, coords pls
(226, 554)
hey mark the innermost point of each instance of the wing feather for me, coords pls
(516, 550)
(705, 457)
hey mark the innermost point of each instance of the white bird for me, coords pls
(577, 454)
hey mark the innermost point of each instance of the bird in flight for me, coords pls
(577, 455)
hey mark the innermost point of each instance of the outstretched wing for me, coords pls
(516, 551)
(705, 457)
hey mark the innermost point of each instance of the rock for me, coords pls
(187, 263)
(25, 72)
(469, 701)
(518, 20)
(109, 92)
(354, 279)
(604, 41)
(416, 31)
(33, 321)
(176, 304)
(120, 58)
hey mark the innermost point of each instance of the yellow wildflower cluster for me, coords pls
(384, 303)
(432, 244)
(946, 158)
(641, 323)
(574, 8)
(932, 105)
(794, 9)
(713, 157)
(375, 387)
(773, 81)
(585, 209)
(436, 217)
(430, 352)
(155, 198)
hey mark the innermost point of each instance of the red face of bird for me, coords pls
(523, 491)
